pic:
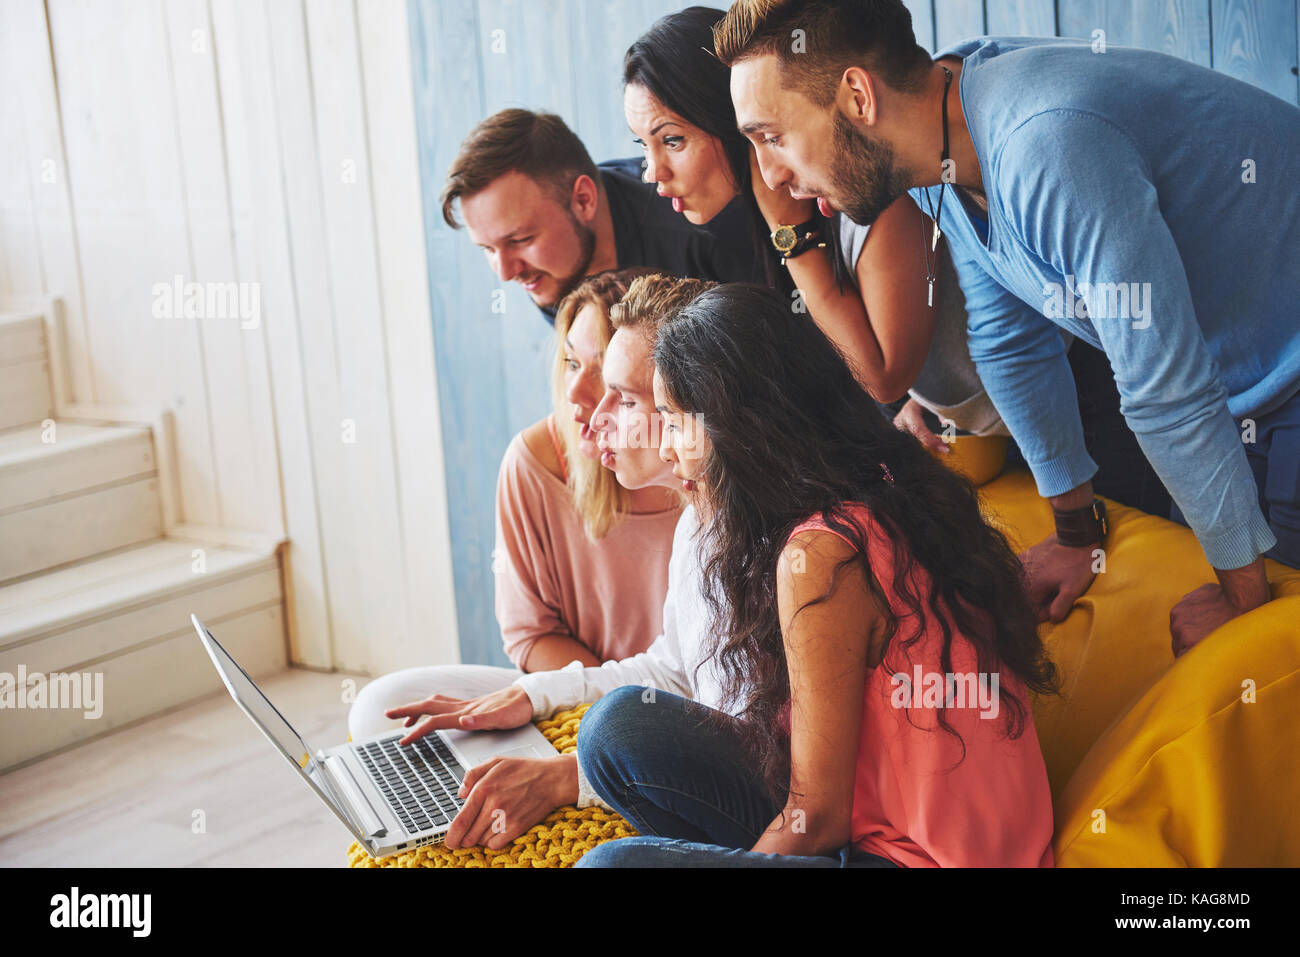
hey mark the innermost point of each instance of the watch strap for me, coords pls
(1080, 527)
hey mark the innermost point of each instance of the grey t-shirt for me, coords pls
(949, 386)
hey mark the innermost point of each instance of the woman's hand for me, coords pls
(504, 797)
(775, 204)
(911, 418)
(508, 708)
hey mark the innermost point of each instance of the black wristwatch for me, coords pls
(792, 241)
(1082, 527)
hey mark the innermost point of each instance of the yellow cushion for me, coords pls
(980, 458)
(565, 835)
(1183, 769)
(1199, 772)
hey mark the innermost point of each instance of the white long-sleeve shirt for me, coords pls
(675, 662)
(669, 664)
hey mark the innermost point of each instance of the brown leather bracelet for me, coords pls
(1081, 527)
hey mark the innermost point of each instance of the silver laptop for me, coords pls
(391, 798)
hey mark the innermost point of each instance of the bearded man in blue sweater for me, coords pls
(1142, 203)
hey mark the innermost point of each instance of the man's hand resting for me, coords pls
(504, 797)
(1209, 607)
(507, 708)
(1057, 575)
(1196, 615)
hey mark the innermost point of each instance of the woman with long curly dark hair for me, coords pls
(876, 644)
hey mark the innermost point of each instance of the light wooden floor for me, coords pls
(129, 797)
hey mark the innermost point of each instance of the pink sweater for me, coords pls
(995, 808)
(553, 580)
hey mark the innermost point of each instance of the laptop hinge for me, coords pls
(338, 772)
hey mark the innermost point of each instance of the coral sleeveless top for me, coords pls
(910, 804)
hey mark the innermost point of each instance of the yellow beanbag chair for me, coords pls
(980, 458)
(1152, 760)
(565, 835)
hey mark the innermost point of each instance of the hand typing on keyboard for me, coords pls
(507, 708)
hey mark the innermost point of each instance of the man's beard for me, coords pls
(864, 173)
(586, 252)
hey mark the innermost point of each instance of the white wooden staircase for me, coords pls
(97, 576)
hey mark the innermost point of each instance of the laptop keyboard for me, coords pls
(419, 781)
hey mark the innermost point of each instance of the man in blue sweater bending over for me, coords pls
(1143, 203)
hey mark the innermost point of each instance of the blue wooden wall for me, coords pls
(471, 58)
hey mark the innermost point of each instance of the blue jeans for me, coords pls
(684, 785)
(1274, 459)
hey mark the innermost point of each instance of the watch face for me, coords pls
(784, 238)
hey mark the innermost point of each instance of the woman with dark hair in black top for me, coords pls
(677, 101)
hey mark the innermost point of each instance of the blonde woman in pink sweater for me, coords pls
(581, 563)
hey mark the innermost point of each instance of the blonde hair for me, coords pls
(651, 300)
(600, 501)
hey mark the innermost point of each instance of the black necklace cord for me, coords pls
(932, 262)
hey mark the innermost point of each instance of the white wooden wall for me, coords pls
(266, 141)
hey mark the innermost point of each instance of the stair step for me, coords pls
(25, 394)
(22, 336)
(145, 682)
(125, 616)
(91, 490)
(89, 591)
(40, 464)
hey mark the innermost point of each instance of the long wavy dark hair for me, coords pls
(675, 61)
(795, 436)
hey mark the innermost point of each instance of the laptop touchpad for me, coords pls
(472, 748)
(528, 751)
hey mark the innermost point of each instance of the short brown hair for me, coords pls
(651, 300)
(835, 35)
(538, 145)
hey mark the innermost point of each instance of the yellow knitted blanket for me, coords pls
(565, 835)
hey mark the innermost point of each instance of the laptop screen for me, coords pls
(254, 703)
